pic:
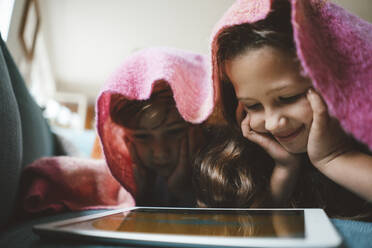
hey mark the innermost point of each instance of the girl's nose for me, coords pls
(160, 152)
(274, 121)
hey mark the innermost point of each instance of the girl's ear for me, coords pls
(240, 113)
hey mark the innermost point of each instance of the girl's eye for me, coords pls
(141, 136)
(291, 99)
(253, 107)
(176, 131)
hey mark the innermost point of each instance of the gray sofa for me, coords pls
(24, 137)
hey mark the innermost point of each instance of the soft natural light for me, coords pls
(6, 8)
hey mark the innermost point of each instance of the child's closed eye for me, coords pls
(252, 107)
(176, 131)
(291, 99)
(141, 136)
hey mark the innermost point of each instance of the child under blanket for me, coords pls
(149, 117)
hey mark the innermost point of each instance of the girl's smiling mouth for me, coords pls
(288, 136)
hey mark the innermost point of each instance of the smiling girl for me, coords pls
(265, 92)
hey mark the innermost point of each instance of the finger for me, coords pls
(184, 153)
(265, 141)
(247, 131)
(133, 153)
(191, 143)
(273, 148)
(245, 126)
(139, 172)
(179, 171)
(320, 112)
(240, 113)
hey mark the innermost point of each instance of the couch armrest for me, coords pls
(24, 133)
(10, 142)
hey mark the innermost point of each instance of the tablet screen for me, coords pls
(232, 223)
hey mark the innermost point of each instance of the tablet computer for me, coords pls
(201, 227)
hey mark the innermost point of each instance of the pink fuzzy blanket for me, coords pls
(335, 49)
(61, 183)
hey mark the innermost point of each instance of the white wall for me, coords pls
(361, 8)
(6, 9)
(88, 39)
(13, 42)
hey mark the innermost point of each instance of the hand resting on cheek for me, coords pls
(287, 165)
(327, 140)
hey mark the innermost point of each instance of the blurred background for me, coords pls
(66, 49)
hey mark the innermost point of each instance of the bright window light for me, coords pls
(6, 9)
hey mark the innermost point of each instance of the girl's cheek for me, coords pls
(305, 112)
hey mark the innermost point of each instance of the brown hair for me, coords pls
(231, 171)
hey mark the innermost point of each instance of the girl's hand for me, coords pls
(144, 178)
(287, 165)
(281, 156)
(327, 140)
(179, 182)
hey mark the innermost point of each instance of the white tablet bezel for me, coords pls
(319, 232)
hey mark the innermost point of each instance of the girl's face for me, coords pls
(158, 137)
(271, 90)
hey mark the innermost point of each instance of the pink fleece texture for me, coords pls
(335, 50)
(187, 75)
(66, 183)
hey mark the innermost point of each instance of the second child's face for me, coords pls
(271, 90)
(158, 138)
